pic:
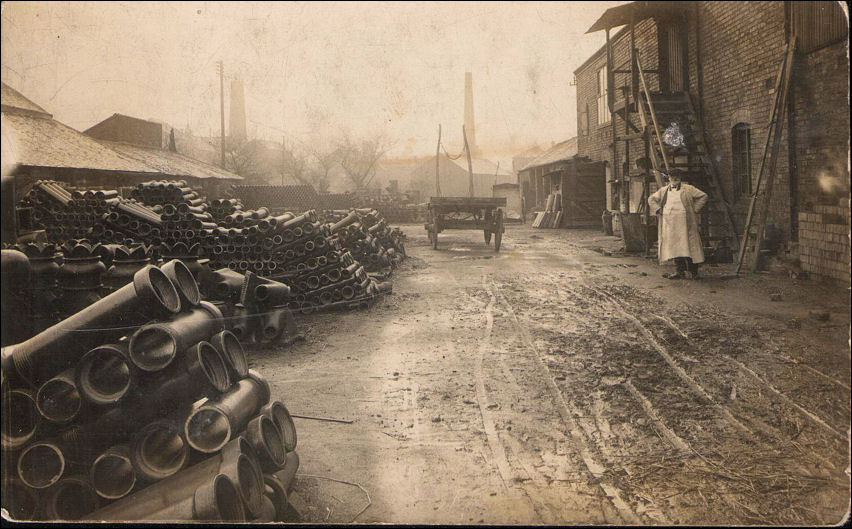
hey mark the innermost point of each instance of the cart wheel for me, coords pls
(432, 229)
(498, 231)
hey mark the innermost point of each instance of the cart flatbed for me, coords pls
(466, 213)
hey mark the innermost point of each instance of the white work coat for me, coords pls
(679, 237)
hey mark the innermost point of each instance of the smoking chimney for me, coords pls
(237, 125)
(468, 113)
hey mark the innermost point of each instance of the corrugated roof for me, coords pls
(9, 97)
(559, 152)
(170, 163)
(44, 142)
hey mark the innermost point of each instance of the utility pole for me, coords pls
(220, 67)
(438, 164)
(283, 158)
(469, 164)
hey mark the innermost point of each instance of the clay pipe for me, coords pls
(151, 295)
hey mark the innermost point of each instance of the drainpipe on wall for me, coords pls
(791, 134)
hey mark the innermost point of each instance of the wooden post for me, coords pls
(438, 163)
(627, 122)
(221, 68)
(469, 163)
(610, 101)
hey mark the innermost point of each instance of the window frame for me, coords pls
(741, 173)
(603, 89)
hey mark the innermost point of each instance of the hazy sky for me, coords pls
(310, 69)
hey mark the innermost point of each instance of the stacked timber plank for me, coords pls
(551, 217)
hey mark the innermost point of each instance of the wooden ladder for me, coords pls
(774, 131)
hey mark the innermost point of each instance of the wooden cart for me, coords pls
(464, 213)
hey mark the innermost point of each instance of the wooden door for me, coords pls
(584, 195)
(673, 58)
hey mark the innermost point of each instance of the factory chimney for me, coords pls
(237, 125)
(468, 114)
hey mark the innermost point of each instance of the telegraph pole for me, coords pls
(220, 67)
(438, 164)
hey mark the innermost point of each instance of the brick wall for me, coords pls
(821, 124)
(824, 241)
(742, 44)
(596, 142)
(821, 94)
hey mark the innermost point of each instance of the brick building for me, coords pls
(722, 59)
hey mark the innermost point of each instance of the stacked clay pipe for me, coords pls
(141, 406)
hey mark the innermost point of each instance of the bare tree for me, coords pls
(294, 165)
(242, 157)
(359, 160)
(324, 160)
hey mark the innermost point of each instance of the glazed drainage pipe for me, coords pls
(105, 374)
(209, 427)
(281, 417)
(184, 282)
(277, 494)
(345, 221)
(308, 216)
(112, 474)
(20, 418)
(288, 474)
(21, 501)
(58, 399)
(227, 344)
(227, 283)
(272, 325)
(158, 450)
(154, 346)
(272, 293)
(266, 439)
(216, 500)
(151, 295)
(203, 373)
(70, 498)
(233, 462)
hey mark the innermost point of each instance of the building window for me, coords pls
(817, 24)
(741, 159)
(603, 107)
(583, 122)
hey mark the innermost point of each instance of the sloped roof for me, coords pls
(561, 151)
(44, 142)
(9, 97)
(170, 163)
(38, 140)
(620, 15)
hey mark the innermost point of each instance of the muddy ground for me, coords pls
(560, 382)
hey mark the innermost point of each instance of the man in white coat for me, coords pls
(678, 205)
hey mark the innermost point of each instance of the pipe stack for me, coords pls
(221, 208)
(172, 192)
(51, 207)
(257, 308)
(41, 290)
(307, 255)
(368, 237)
(128, 221)
(140, 407)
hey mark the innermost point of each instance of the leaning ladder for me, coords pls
(774, 130)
